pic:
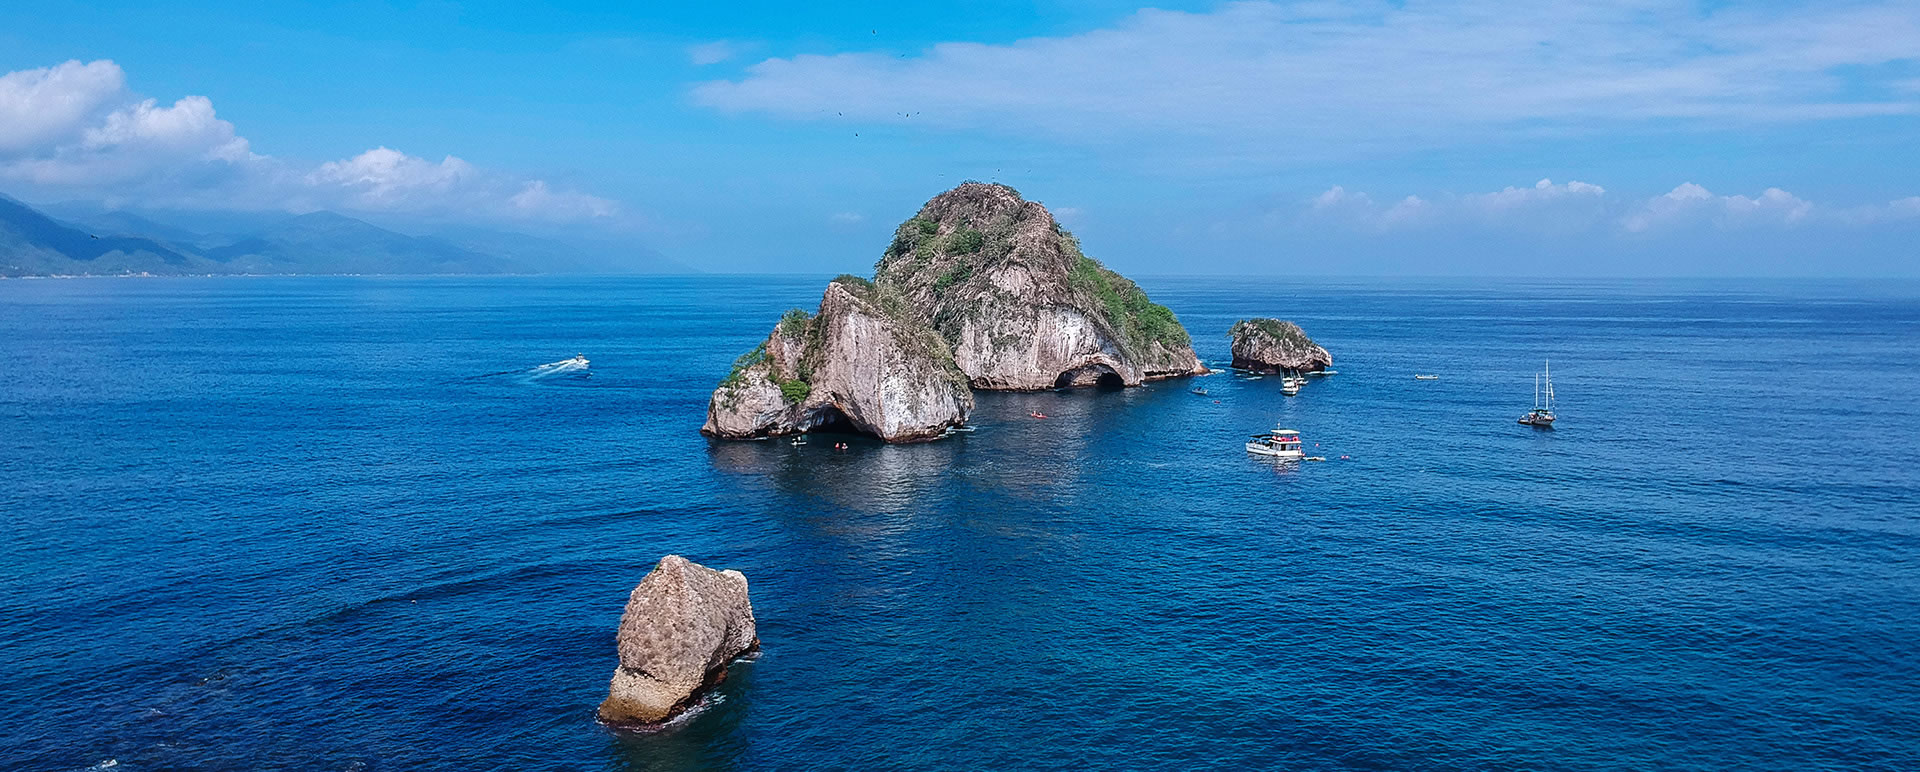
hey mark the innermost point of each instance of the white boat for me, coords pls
(1542, 413)
(1419, 377)
(1283, 444)
(1291, 385)
(1323, 373)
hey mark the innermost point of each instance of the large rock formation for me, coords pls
(683, 624)
(864, 362)
(999, 278)
(1274, 345)
(981, 289)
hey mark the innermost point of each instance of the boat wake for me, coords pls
(577, 367)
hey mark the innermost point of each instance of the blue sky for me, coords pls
(1642, 137)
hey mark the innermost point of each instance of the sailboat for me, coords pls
(1541, 414)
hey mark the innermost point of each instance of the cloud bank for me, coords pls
(1584, 207)
(1277, 76)
(74, 129)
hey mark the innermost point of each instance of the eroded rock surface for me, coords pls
(980, 290)
(1274, 345)
(864, 362)
(683, 624)
(999, 278)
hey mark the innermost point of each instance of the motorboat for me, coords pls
(1421, 377)
(1290, 386)
(1283, 444)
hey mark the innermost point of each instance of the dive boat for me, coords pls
(1542, 412)
(1283, 444)
(1290, 385)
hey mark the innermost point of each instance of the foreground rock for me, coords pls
(863, 363)
(1003, 283)
(980, 290)
(1273, 345)
(683, 623)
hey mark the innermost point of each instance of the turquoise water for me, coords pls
(347, 524)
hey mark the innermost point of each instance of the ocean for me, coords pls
(351, 524)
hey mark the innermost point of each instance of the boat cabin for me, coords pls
(1283, 443)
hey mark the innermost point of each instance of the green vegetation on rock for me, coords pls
(965, 241)
(955, 275)
(793, 323)
(1138, 320)
(794, 391)
(1272, 328)
(742, 364)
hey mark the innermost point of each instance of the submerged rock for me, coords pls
(683, 624)
(980, 290)
(999, 278)
(1274, 345)
(865, 362)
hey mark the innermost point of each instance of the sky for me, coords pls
(1471, 138)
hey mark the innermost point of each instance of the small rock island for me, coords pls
(981, 289)
(1274, 345)
(683, 624)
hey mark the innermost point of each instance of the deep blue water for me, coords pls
(337, 524)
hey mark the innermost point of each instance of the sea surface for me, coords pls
(351, 524)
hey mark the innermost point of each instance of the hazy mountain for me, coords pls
(95, 240)
(324, 242)
(556, 256)
(33, 244)
(124, 223)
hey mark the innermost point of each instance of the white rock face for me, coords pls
(1024, 309)
(683, 624)
(877, 369)
(980, 290)
(1273, 345)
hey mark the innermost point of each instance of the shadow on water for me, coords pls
(866, 476)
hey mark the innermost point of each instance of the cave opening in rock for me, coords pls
(829, 419)
(1095, 374)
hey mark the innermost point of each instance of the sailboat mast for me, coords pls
(1549, 385)
(1536, 391)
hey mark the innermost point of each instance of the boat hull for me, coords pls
(1284, 455)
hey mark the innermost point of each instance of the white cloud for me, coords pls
(1337, 197)
(1411, 209)
(42, 105)
(74, 131)
(712, 53)
(1284, 78)
(1581, 207)
(1541, 205)
(537, 200)
(382, 177)
(1691, 204)
(1541, 192)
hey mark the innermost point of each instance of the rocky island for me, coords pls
(981, 289)
(683, 624)
(1274, 345)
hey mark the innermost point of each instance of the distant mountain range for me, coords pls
(115, 242)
